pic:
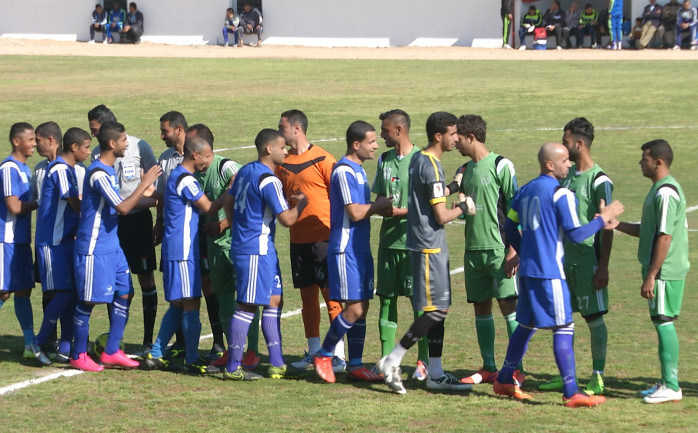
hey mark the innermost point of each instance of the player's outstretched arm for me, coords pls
(146, 181)
(19, 207)
(357, 212)
(289, 217)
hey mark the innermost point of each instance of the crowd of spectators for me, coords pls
(671, 26)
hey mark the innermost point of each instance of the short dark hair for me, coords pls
(265, 137)
(357, 131)
(230, 10)
(201, 130)
(660, 149)
(473, 124)
(98, 6)
(581, 127)
(296, 117)
(557, 2)
(194, 144)
(438, 123)
(588, 5)
(531, 8)
(133, 5)
(74, 135)
(175, 119)
(50, 129)
(400, 116)
(107, 132)
(101, 114)
(19, 128)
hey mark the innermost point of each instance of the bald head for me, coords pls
(554, 160)
(194, 144)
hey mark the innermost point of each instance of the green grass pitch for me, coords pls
(524, 103)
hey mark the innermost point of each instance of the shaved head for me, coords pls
(554, 160)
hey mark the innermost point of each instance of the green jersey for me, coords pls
(392, 180)
(664, 212)
(589, 187)
(214, 182)
(491, 182)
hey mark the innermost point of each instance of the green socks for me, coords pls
(484, 325)
(599, 341)
(387, 324)
(668, 353)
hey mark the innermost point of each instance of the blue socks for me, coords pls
(338, 328)
(518, 345)
(25, 317)
(171, 321)
(81, 328)
(563, 347)
(54, 310)
(118, 316)
(355, 343)
(191, 327)
(237, 334)
(272, 335)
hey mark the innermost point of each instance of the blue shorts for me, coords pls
(543, 303)
(56, 266)
(17, 271)
(100, 277)
(351, 276)
(181, 279)
(258, 277)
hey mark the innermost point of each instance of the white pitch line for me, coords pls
(26, 383)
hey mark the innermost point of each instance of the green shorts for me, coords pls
(485, 277)
(668, 296)
(394, 273)
(221, 270)
(586, 300)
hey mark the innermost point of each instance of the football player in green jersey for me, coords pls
(663, 254)
(490, 179)
(586, 263)
(394, 269)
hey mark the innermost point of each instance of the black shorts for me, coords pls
(309, 264)
(136, 238)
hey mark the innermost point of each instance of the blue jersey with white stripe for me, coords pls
(56, 221)
(98, 216)
(15, 176)
(181, 217)
(546, 211)
(348, 185)
(258, 199)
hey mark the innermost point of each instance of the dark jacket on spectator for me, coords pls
(254, 17)
(669, 15)
(652, 15)
(135, 20)
(556, 18)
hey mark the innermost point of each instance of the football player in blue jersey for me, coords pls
(252, 206)
(101, 271)
(547, 212)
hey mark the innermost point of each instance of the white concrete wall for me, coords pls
(368, 23)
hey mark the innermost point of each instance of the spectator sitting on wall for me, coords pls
(554, 19)
(651, 24)
(99, 22)
(529, 22)
(636, 32)
(230, 25)
(669, 18)
(250, 22)
(588, 25)
(117, 18)
(134, 25)
(686, 22)
(571, 23)
(603, 28)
